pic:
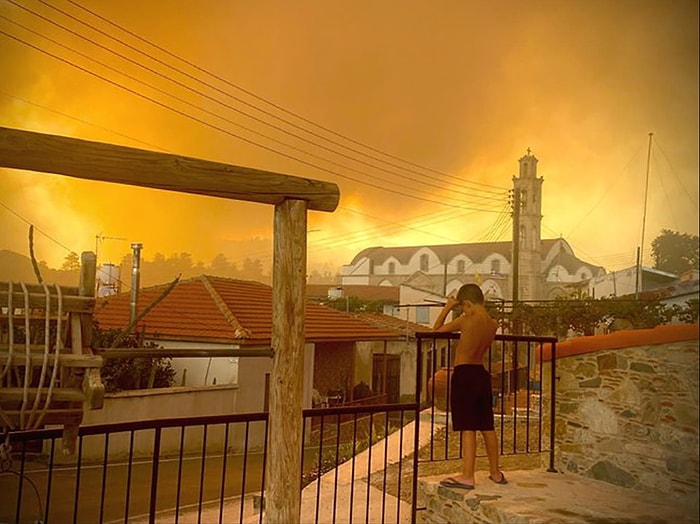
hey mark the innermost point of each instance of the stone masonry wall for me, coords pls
(629, 416)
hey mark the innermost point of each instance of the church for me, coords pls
(547, 267)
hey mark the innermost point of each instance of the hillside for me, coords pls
(16, 267)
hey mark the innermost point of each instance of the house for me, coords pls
(624, 282)
(387, 296)
(547, 267)
(389, 367)
(216, 312)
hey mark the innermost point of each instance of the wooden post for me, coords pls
(283, 473)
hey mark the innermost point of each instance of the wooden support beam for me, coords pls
(58, 394)
(283, 478)
(66, 360)
(71, 303)
(88, 277)
(137, 167)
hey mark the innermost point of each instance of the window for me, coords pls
(460, 266)
(495, 267)
(424, 262)
(423, 314)
(392, 268)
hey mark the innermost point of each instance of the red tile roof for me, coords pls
(396, 324)
(216, 309)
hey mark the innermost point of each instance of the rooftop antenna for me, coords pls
(101, 238)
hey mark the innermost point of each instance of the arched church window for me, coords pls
(461, 266)
(392, 268)
(424, 262)
(495, 267)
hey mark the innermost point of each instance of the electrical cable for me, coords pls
(230, 84)
(230, 133)
(210, 113)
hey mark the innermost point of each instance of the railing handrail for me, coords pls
(498, 337)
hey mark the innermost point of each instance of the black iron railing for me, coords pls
(214, 466)
(523, 411)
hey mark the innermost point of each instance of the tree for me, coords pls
(120, 374)
(71, 262)
(675, 252)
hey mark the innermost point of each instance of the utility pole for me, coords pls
(516, 245)
(444, 275)
(516, 259)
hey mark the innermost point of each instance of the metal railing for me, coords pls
(523, 411)
(367, 456)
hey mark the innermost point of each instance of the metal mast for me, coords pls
(640, 261)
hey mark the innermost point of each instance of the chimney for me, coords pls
(135, 274)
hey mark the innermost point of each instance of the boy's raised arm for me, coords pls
(440, 321)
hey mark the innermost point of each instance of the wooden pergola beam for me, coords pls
(89, 160)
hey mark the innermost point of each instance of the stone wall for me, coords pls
(629, 416)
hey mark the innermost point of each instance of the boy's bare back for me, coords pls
(477, 329)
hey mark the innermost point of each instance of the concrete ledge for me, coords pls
(540, 497)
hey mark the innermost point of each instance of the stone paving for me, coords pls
(540, 497)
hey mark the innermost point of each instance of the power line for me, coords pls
(82, 121)
(606, 191)
(29, 223)
(427, 219)
(200, 93)
(693, 200)
(230, 84)
(218, 128)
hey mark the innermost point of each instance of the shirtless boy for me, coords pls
(470, 393)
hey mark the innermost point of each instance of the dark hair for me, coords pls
(470, 292)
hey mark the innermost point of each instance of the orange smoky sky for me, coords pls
(419, 111)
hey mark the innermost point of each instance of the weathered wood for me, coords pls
(58, 394)
(283, 485)
(68, 416)
(71, 303)
(125, 165)
(94, 389)
(88, 276)
(66, 360)
(76, 332)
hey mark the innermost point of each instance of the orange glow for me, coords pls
(461, 88)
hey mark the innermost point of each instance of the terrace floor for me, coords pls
(540, 497)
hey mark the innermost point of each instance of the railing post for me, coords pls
(154, 477)
(416, 425)
(552, 413)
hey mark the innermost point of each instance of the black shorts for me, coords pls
(471, 402)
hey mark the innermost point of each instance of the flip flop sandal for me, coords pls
(453, 483)
(502, 481)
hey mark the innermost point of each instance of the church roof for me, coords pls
(476, 251)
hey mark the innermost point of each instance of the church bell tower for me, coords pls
(527, 186)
